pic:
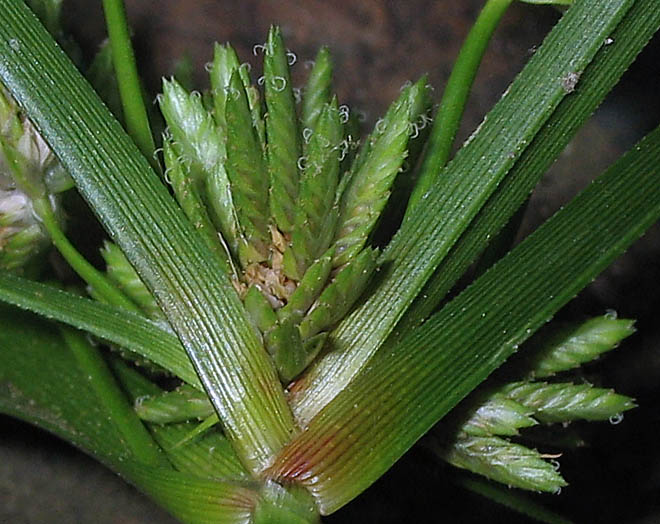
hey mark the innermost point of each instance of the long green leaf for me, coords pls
(198, 300)
(611, 61)
(56, 397)
(459, 193)
(111, 398)
(126, 329)
(408, 388)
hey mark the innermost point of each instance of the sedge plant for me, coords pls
(271, 329)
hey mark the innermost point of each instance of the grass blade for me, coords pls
(427, 235)
(127, 330)
(210, 456)
(611, 61)
(407, 389)
(56, 397)
(198, 299)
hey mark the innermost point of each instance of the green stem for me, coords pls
(457, 90)
(100, 379)
(123, 58)
(80, 265)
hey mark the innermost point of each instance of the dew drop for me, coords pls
(15, 44)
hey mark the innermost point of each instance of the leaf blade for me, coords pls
(412, 386)
(136, 209)
(427, 235)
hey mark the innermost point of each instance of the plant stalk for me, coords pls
(130, 92)
(455, 95)
(100, 284)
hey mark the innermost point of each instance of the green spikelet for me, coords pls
(122, 273)
(565, 402)
(290, 353)
(505, 462)
(286, 348)
(284, 146)
(262, 315)
(195, 134)
(189, 198)
(316, 214)
(247, 173)
(498, 415)
(392, 215)
(191, 126)
(225, 62)
(281, 336)
(350, 144)
(19, 245)
(568, 347)
(368, 188)
(182, 404)
(337, 299)
(254, 101)
(308, 289)
(318, 90)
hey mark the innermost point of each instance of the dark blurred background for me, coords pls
(377, 46)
